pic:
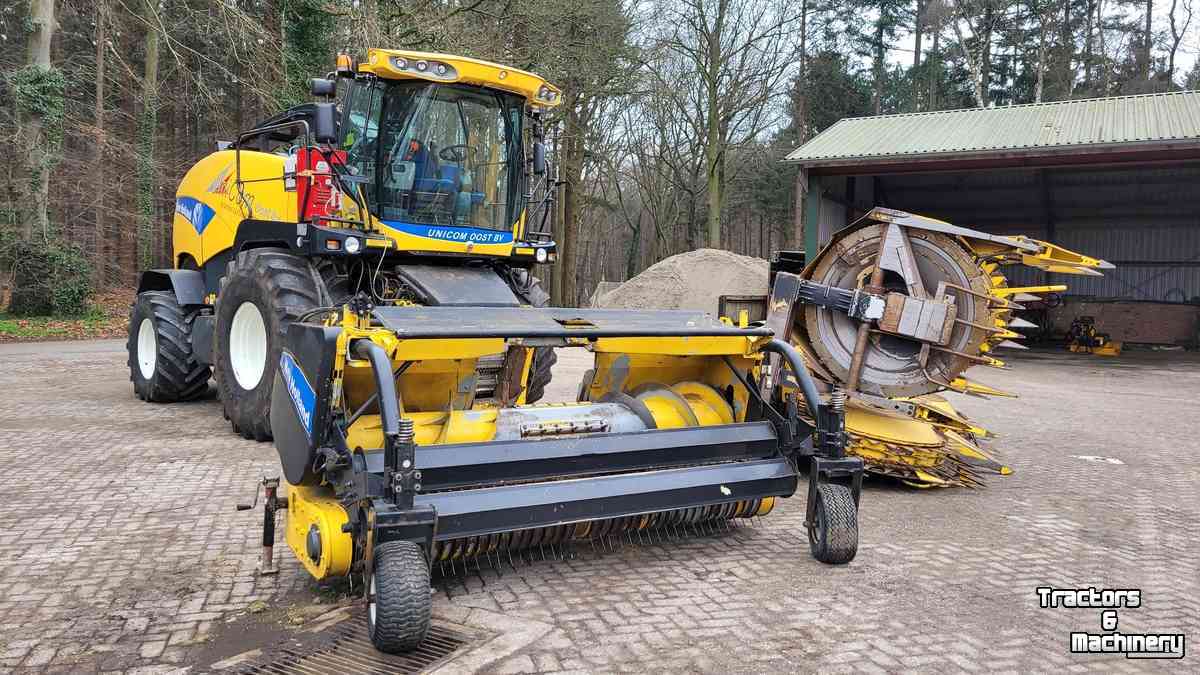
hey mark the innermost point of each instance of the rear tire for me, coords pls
(399, 600)
(834, 534)
(162, 366)
(262, 292)
(544, 358)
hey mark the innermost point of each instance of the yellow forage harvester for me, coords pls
(357, 275)
(895, 310)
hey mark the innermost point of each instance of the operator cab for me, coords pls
(436, 154)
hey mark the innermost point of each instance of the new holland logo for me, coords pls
(195, 212)
(304, 398)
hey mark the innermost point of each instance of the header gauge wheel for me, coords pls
(262, 292)
(399, 600)
(833, 536)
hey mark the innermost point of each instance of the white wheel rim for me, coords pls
(371, 600)
(248, 345)
(147, 348)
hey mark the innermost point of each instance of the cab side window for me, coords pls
(360, 132)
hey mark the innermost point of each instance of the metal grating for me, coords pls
(346, 648)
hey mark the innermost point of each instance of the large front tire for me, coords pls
(263, 291)
(399, 601)
(162, 366)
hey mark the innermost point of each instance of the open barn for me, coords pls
(1113, 177)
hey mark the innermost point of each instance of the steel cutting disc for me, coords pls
(891, 366)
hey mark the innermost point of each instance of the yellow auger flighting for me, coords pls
(895, 309)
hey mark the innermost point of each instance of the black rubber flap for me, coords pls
(459, 286)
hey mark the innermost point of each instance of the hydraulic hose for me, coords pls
(385, 385)
(796, 362)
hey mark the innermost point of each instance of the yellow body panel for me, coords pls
(309, 506)
(201, 232)
(458, 348)
(890, 428)
(681, 346)
(186, 242)
(384, 63)
(209, 206)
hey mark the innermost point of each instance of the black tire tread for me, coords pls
(178, 375)
(540, 373)
(544, 358)
(837, 542)
(403, 600)
(288, 281)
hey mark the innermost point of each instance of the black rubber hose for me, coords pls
(385, 386)
(796, 362)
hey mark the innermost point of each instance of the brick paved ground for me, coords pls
(122, 551)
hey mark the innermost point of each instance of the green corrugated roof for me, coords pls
(1148, 118)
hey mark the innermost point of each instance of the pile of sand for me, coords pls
(693, 280)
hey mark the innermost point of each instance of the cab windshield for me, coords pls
(436, 154)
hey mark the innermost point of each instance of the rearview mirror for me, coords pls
(322, 87)
(539, 158)
(324, 124)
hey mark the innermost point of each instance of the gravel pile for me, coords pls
(692, 280)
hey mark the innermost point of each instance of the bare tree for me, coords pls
(98, 244)
(740, 51)
(38, 83)
(1146, 62)
(1044, 11)
(1178, 31)
(918, 35)
(147, 128)
(982, 18)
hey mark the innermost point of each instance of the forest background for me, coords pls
(676, 113)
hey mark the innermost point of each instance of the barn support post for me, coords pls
(812, 216)
(796, 238)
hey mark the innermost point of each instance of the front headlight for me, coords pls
(540, 255)
(353, 245)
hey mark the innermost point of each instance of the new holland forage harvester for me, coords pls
(357, 279)
(358, 283)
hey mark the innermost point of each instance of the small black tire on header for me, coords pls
(833, 536)
(399, 599)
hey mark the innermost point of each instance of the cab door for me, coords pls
(359, 132)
